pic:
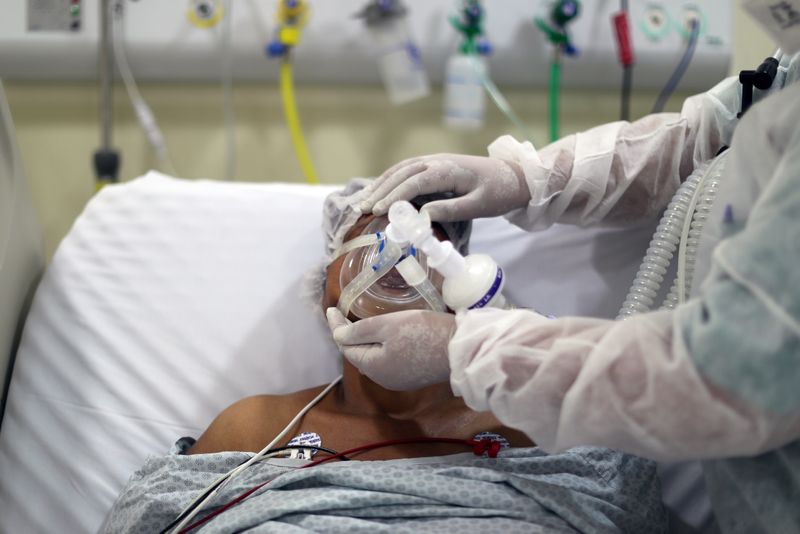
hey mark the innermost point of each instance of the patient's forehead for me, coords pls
(358, 228)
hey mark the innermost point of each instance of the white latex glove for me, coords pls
(484, 186)
(401, 351)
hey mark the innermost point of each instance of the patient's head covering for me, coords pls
(340, 212)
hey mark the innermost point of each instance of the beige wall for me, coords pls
(351, 131)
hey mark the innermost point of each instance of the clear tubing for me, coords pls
(428, 291)
(145, 116)
(389, 256)
(650, 276)
(358, 242)
(693, 228)
(105, 72)
(416, 277)
(700, 207)
(499, 100)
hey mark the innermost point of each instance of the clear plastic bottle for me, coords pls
(401, 67)
(479, 284)
(464, 94)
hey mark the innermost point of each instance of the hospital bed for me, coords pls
(170, 299)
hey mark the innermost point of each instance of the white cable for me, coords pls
(222, 478)
(143, 112)
(235, 471)
(227, 91)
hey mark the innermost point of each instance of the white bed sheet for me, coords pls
(170, 299)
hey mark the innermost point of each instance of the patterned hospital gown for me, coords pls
(522, 490)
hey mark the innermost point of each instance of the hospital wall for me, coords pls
(351, 131)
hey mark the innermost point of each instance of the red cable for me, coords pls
(484, 446)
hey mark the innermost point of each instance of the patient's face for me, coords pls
(333, 289)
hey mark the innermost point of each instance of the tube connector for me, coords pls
(472, 282)
(407, 225)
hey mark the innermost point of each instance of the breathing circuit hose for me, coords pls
(680, 225)
(415, 276)
(293, 121)
(658, 257)
(650, 276)
(701, 206)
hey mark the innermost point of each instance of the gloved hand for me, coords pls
(484, 186)
(401, 351)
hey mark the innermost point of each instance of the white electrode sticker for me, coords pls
(781, 19)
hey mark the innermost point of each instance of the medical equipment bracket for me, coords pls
(163, 45)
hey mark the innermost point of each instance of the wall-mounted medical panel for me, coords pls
(163, 43)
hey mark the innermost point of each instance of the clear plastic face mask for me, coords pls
(390, 293)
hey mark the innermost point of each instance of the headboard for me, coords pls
(21, 251)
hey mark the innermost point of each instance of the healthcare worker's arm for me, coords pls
(716, 377)
(618, 173)
(622, 172)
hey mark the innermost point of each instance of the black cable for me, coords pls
(680, 70)
(215, 486)
(488, 446)
(293, 447)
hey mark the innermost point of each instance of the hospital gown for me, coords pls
(523, 490)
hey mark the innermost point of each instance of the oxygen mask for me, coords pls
(379, 277)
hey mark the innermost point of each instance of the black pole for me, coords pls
(106, 159)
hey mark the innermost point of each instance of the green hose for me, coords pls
(555, 83)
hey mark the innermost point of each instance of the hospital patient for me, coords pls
(414, 487)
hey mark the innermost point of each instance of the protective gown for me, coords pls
(719, 376)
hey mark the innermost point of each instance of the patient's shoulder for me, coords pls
(251, 423)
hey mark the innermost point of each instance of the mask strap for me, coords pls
(358, 242)
(389, 256)
(416, 277)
